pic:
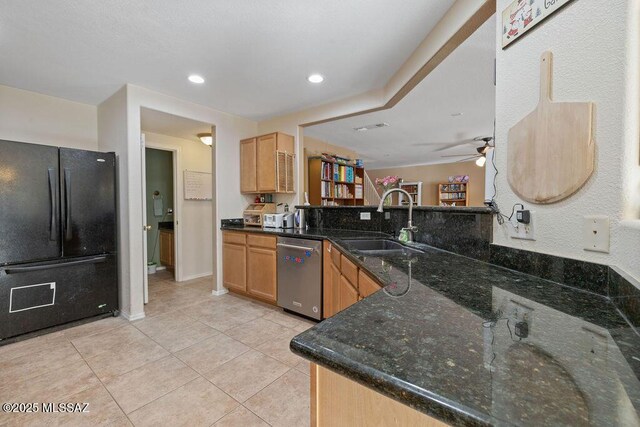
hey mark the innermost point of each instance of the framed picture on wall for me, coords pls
(522, 15)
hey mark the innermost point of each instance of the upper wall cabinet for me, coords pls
(267, 164)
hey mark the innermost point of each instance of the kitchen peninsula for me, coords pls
(466, 342)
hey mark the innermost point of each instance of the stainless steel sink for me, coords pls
(380, 247)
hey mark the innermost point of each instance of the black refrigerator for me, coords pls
(58, 260)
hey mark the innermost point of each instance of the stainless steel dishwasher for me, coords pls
(300, 276)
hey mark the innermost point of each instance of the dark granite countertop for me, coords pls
(447, 336)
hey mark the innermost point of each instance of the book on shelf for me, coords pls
(453, 196)
(359, 190)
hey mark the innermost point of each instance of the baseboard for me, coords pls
(220, 292)
(130, 317)
(196, 276)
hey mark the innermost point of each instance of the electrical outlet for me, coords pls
(387, 215)
(595, 233)
(365, 216)
(518, 230)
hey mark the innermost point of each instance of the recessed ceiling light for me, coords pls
(315, 78)
(194, 78)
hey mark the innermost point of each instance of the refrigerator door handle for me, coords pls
(53, 214)
(67, 205)
(17, 270)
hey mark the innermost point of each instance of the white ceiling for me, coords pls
(422, 123)
(254, 54)
(168, 124)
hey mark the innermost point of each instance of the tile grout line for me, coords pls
(103, 384)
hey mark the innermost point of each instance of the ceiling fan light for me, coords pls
(481, 161)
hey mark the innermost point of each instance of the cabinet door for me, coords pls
(327, 294)
(261, 274)
(248, 166)
(234, 266)
(366, 285)
(166, 249)
(348, 294)
(266, 148)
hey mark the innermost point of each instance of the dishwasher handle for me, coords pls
(301, 248)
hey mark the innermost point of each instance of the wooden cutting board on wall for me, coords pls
(551, 152)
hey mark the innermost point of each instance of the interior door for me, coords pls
(29, 203)
(145, 228)
(88, 196)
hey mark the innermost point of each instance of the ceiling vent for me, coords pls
(370, 127)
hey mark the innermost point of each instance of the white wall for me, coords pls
(229, 202)
(112, 136)
(195, 253)
(40, 119)
(595, 50)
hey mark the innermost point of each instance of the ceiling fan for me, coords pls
(481, 157)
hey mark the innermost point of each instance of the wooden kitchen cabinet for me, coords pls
(337, 401)
(366, 285)
(344, 283)
(348, 294)
(167, 257)
(234, 261)
(248, 165)
(267, 164)
(250, 265)
(261, 273)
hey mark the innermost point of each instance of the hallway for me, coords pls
(194, 360)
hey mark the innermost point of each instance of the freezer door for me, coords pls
(40, 295)
(29, 203)
(88, 198)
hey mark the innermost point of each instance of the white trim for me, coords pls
(220, 292)
(130, 317)
(195, 276)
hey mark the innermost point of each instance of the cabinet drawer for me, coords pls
(335, 256)
(234, 237)
(350, 271)
(268, 242)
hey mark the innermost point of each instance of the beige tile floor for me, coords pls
(195, 360)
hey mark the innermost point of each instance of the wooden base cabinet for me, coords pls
(261, 273)
(344, 283)
(249, 265)
(167, 257)
(337, 401)
(234, 261)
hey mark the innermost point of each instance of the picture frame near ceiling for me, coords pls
(523, 15)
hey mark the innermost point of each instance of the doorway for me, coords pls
(160, 197)
(175, 219)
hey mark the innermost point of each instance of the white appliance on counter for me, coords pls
(278, 220)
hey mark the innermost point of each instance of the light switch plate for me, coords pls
(366, 216)
(521, 231)
(596, 234)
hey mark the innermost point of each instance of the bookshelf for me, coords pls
(333, 183)
(453, 194)
(413, 188)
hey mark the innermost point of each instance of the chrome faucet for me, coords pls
(410, 229)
